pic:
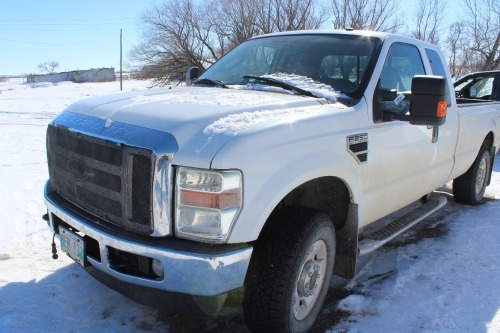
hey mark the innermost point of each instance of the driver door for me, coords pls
(404, 163)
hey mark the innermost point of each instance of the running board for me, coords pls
(400, 225)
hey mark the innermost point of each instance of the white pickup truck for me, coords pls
(261, 178)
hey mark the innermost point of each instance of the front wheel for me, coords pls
(469, 188)
(290, 272)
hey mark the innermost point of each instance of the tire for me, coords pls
(296, 251)
(469, 188)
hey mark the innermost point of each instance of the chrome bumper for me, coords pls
(185, 272)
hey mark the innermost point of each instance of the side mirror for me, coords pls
(191, 74)
(427, 100)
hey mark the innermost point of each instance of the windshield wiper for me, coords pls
(280, 84)
(214, 83)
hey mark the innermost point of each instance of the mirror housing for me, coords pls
(428, 100)
(191, 74)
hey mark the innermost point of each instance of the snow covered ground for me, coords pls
(441, 276)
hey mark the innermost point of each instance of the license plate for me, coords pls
(73, 245)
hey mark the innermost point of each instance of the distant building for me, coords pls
(90, 75)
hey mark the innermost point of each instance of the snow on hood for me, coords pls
(234, 123)
(165, 109)
(162, 109)
(317, 88)
(224, 98)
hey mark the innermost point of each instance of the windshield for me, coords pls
(339, 61)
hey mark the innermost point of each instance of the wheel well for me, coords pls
(488, 141)
(326, 194)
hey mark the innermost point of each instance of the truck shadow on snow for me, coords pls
(70, 300)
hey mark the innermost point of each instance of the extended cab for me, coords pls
(266, 175)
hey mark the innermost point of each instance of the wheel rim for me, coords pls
(310, 280)
(481, 175)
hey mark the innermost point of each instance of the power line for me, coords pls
(71, 20)
(55, 44)
(57, 24)
(59, 30)
(24, 42)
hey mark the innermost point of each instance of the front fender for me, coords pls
(288, 160)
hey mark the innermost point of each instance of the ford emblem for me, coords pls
(77, 169)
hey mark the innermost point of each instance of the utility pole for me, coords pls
(121, 72)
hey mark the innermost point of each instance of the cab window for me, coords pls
(403, 62)
(437, 68)
(475, 88)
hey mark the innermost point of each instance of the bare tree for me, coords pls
(482, 26)
(428, 20)
(182, 33)
(456, 49)
(378, 15)
(49, 66)
(287, 15)
(173, 39)
(234, 21)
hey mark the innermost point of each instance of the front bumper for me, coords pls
(192, 273)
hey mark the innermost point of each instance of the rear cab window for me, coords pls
(438, 69)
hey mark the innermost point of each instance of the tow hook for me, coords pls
(54, 248)
(45, 217)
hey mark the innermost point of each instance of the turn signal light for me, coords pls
(441, 108)
(209, 200)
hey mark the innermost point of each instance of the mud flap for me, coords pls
(347, 245)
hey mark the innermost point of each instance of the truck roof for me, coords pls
(369, 33)
(328, 32)
(488, 73)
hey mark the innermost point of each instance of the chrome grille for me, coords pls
(109, 180)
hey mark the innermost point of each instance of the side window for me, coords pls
(475, 88)
(437, 67)
(482, 88)
(402, 63)
(436, 64)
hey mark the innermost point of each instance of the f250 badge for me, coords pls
(357, 146)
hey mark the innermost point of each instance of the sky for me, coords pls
(86, 34)
(77, 34)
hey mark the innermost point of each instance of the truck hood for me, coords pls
(201, 119)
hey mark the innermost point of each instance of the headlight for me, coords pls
(207, 203)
